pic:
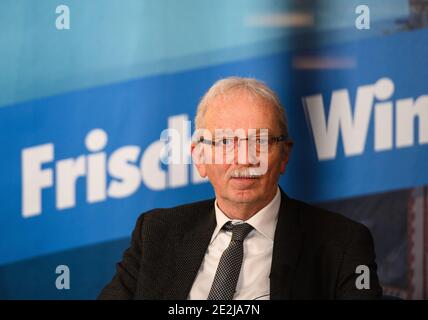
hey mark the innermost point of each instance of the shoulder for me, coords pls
(176, 217)
(327, 226)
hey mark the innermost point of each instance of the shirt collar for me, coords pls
(264, 221)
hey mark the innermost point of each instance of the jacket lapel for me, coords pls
(286, 249)
(190, 252)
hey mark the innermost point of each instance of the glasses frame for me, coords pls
(214, 143)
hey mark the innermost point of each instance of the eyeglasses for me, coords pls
(228, 143)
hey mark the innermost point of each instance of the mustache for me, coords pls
(247, 172)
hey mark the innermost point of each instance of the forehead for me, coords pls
(239, 109)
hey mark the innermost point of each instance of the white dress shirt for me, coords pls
(253, 282)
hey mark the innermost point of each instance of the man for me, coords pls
(252, 241)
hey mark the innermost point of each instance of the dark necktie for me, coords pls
(229, 267)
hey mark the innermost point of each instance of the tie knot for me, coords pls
(239, 231)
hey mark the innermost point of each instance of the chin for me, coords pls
(244, 196)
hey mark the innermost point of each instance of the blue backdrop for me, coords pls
(357, 102)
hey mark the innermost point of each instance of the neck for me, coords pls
(242, 210)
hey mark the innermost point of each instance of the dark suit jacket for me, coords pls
(315, 254)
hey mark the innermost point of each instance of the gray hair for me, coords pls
(255, 87)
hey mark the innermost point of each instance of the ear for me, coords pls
(202, 170)
(283, 165)
(198, 157)
(286, 155)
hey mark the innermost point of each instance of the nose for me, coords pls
(242, 154)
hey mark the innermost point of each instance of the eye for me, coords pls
(262, 140)
(226, 141)
(223, 142)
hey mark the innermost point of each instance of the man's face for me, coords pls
(240, 110)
